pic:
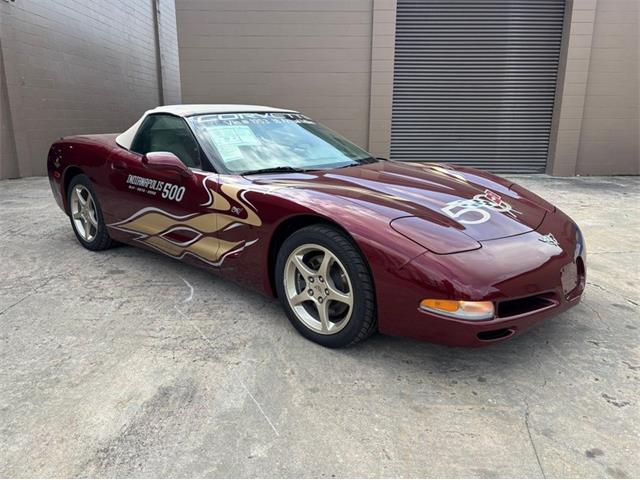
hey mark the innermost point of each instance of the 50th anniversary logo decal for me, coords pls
(478, 209)
(195, 234)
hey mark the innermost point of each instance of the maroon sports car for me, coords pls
(349, 243)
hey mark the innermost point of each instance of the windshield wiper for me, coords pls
(274, 170)
(369, 160)
(360, 161)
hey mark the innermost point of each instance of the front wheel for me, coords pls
(86, 216)
(325, 287)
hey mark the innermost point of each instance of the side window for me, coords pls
(166, 133)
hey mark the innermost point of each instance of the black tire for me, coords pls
(362, 322)
(101, 241)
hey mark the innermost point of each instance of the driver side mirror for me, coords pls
(165, 161)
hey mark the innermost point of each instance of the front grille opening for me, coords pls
(580, 264)
(520, 306)
(490, 335)
(581, 279)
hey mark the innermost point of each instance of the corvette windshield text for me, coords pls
(256, 118)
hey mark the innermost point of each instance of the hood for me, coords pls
(481, 205)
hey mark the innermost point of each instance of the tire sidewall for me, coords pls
(355, 325)
(99, 239)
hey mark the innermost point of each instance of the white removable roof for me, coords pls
(125, 139)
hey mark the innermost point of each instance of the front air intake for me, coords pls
(526, 305)
(492, 335)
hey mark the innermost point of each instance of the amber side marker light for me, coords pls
(459, 309)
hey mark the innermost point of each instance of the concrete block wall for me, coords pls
(77, 67)
(8, 164)
(382, 60)
(570, 111)
(598, 111)
(307, 55)
(610, 124)
(169, 56)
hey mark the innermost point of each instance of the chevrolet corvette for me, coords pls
(349, 243)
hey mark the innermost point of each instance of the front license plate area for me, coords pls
(569, 277)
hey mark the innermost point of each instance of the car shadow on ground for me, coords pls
(521, 352)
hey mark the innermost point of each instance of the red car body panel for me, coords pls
(403, 217)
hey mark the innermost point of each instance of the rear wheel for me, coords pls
(86, 216)
(325, 287)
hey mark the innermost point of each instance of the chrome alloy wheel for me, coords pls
(83, 213)
(318, 289)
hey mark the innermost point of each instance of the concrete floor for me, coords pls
(110, 365)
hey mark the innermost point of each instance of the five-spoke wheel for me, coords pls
(83, 213)
(325, 286)
(318, 288)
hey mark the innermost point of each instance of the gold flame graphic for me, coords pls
(152, 224)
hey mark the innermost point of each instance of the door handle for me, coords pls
(119, 165)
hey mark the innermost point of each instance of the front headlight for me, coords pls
(460, 309)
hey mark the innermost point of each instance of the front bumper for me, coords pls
(528, 280)
(454, 332)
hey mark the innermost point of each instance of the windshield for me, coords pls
(250, 142)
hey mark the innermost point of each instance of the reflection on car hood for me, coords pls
(477, 203)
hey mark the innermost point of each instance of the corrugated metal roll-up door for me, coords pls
(474, 82)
